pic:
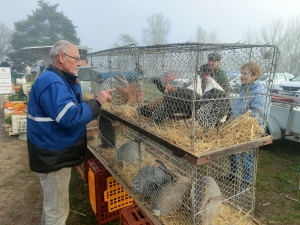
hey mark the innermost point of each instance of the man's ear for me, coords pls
(60, 57)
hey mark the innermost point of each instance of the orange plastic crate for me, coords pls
(116, 196)
(97, 179)
(133, 215)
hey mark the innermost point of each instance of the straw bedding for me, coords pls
(244, 128)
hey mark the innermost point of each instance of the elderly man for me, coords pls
(56, 128)
(6, 63)
(213, 69)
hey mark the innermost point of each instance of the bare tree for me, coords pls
(203, 36)
(159, 28)
(290, 54)
(5, 38)
(212, 37)
(284, 33)
(125, 39)
(251, 37)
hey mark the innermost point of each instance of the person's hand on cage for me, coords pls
(105, 95)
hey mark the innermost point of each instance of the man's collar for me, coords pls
(70, 78)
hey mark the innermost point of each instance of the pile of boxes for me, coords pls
(14, 116)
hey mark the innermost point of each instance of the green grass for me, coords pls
(278, 178)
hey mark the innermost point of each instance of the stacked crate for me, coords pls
(133, 215)
(99, 179)
(115, 195)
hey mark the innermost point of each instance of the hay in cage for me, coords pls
(242, 129)
(87, 96)
(226, 215)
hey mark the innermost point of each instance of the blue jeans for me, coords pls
(247, 160)
(56, 196)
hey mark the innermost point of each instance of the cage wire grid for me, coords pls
(176, 190)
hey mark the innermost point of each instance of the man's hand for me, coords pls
(105, 95)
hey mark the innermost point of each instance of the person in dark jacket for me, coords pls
(6, 63)
(212, 68)
(56, 128)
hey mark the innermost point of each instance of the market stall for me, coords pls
(15, 109)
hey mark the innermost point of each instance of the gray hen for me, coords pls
(214, 106)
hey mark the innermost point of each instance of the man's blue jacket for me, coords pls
(56, 121)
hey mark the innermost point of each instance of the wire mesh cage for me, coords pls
(176, 190)
(181, 93)
(181, 131)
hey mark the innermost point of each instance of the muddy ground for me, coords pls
(20, 191)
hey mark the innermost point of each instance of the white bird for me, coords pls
(197, 85)
(211, 83)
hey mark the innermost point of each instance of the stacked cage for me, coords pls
(172, 134)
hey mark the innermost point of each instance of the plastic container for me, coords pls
(116, 196)
(18, 123)
(97, 180)
(133, 215)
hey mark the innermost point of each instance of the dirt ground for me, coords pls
(20, 191)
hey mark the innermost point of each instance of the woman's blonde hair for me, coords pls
(253, 68)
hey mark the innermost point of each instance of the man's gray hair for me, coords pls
(58, 47)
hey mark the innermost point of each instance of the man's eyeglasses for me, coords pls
(76, 58)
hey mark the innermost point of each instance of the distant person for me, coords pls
(212, 67)
(14, 67)
(6, 63)
(254, 96)
(27, 69)
(20, 68)
(56, 128)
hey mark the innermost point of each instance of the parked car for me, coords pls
(232, 74)
(291, 87)
(272, 82)
(235, 83)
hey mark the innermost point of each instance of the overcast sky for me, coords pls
(99, 22)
